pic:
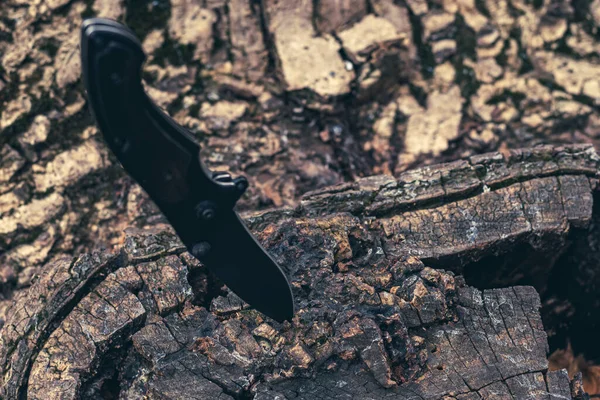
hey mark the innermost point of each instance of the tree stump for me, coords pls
(374, 319)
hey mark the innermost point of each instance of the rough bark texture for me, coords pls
(297, 95)
(300, 96)
(373, 319)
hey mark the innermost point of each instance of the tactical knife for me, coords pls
(165, 160)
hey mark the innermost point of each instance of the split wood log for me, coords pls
(373, 319)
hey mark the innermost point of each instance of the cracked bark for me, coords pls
(374, 319)
(308, 98)
(294, 97)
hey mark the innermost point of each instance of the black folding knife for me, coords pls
(165, 160)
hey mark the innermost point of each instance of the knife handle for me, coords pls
(154, 149)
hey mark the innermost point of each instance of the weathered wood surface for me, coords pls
(300, 96)
(373, 320)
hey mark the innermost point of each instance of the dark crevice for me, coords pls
(582, 13)
(107, 384)
(562, 269)
(399, 349)
(502, 57)
(507, 95)
(482, 8)
(143, 16)
(66, 133)
(560, 46)
(575, 284)
(419, 94)
(266, 35)
(397, 139)
(588, 101)
(206, 286)
(220, 43)
(466, 43)
(89, 10)
(354, 161)
(92, 188)
(346, 127)
(38, 106)
(50, 46)
(425, 53)
(114, 263)
(25, 236)
(526, 65)
(315, 17)
(173, 52)
(156, 257)
(436, 202)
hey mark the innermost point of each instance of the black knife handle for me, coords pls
(153, 149)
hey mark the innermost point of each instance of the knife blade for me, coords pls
(165, 160)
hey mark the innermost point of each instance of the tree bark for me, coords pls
(295, 95)
(373, 318)
(312, 101)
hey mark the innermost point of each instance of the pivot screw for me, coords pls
(201, 249)
(205, 210)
